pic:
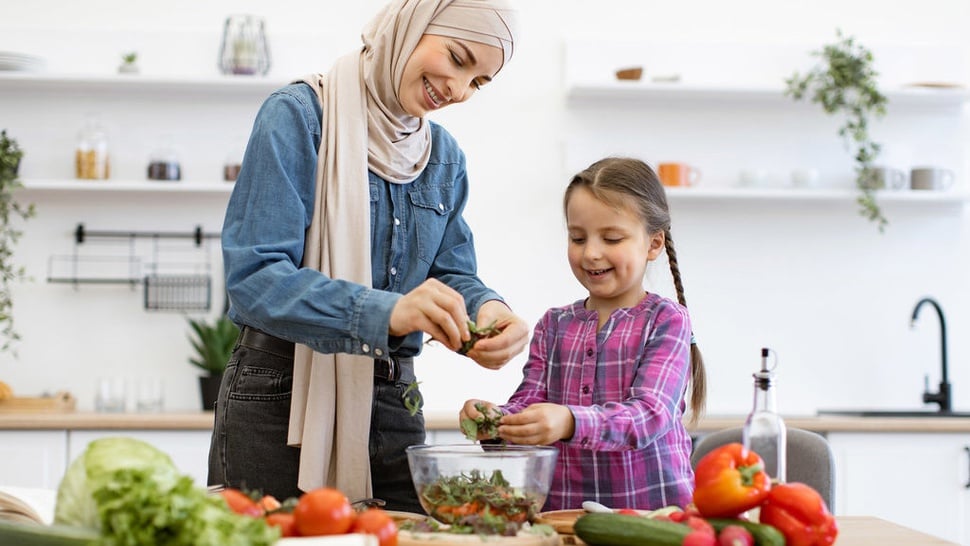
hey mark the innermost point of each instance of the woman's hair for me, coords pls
(632, 184)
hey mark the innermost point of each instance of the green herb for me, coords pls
(453, 498)
(486, 423)
(416, 401)
(478, 333)
(845, 83)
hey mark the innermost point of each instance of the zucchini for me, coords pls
(764, 535)
(623, 530)
(33, 534)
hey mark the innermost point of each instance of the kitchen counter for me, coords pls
(439, 420)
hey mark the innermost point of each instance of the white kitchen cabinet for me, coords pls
(919, 480)
(33, 458)
(189, 449)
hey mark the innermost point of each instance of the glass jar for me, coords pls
(163, 164)
(244, 48)
(91, 160)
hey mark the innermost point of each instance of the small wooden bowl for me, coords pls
(633, 73)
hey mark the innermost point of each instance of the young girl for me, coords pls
(607, 376)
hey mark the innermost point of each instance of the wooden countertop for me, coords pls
(870, 531)
(439, 420)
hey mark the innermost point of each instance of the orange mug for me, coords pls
(677, 174)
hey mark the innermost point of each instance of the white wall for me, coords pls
(817, 283)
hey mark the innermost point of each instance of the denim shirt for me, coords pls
(417, 232)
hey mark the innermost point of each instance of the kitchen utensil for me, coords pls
(178, 292)
(593, 507)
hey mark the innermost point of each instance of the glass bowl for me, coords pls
(454, 481)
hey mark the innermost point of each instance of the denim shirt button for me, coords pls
(397, 221)
(378, 352)
(365, 347)
(441, 206)
(393, 271)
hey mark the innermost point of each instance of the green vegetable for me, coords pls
(764, 535)
(622, 530)
(477, 334)
(95, 468)
(31, 534)
(413, 402)
(486, 423)
(132, 493)
(136, 510)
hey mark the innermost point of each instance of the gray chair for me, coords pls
(809, 458)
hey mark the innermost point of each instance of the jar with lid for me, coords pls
(91, 160)
(163, 164)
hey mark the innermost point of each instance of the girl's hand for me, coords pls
(495, 352)
(435, 308)
(539, 424)
(469, 411)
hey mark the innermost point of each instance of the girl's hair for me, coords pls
(631, 183)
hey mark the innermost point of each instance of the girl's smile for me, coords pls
(609, 248)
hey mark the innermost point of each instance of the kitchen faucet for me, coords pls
(942, 397)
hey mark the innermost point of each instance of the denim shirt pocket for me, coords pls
(432, 211)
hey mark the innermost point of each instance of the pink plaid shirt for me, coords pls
(625, 386)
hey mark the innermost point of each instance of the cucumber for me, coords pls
(32, 534)
(764, 535)
(623, 530)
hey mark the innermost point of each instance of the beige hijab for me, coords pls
(332, 394)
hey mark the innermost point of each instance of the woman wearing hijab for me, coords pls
(344, 244)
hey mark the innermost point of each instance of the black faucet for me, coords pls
(942, 397)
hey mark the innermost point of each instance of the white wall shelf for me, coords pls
(138, 83)
(135, 186)
(780, 194)
(665, 93)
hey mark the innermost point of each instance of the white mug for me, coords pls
(886, 178)
(931, 178)
(804, 178)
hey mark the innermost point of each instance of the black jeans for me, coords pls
(252, 418)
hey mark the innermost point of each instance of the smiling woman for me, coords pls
(350, 152)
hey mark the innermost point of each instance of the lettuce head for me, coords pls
(96, 467)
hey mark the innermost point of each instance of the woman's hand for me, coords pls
(495, 352)
(539, 424)
(435, 308)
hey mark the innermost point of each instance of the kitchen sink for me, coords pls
(892, 413)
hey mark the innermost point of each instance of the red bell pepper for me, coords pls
(799, 512)
(729, 481)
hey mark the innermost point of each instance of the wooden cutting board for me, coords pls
(59, 402)
(413, 538)
(408, 538)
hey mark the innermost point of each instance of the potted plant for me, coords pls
(129, 63)
(844, 83)
(213, 343)
(10, 210)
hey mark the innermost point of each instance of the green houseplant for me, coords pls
(213, 343)
(844, 83)
(10, 210)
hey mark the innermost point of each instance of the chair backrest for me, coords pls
(809, 458)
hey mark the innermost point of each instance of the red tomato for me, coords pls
(241, 503)
(377, 522)
(323, 511)
(286, 522)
